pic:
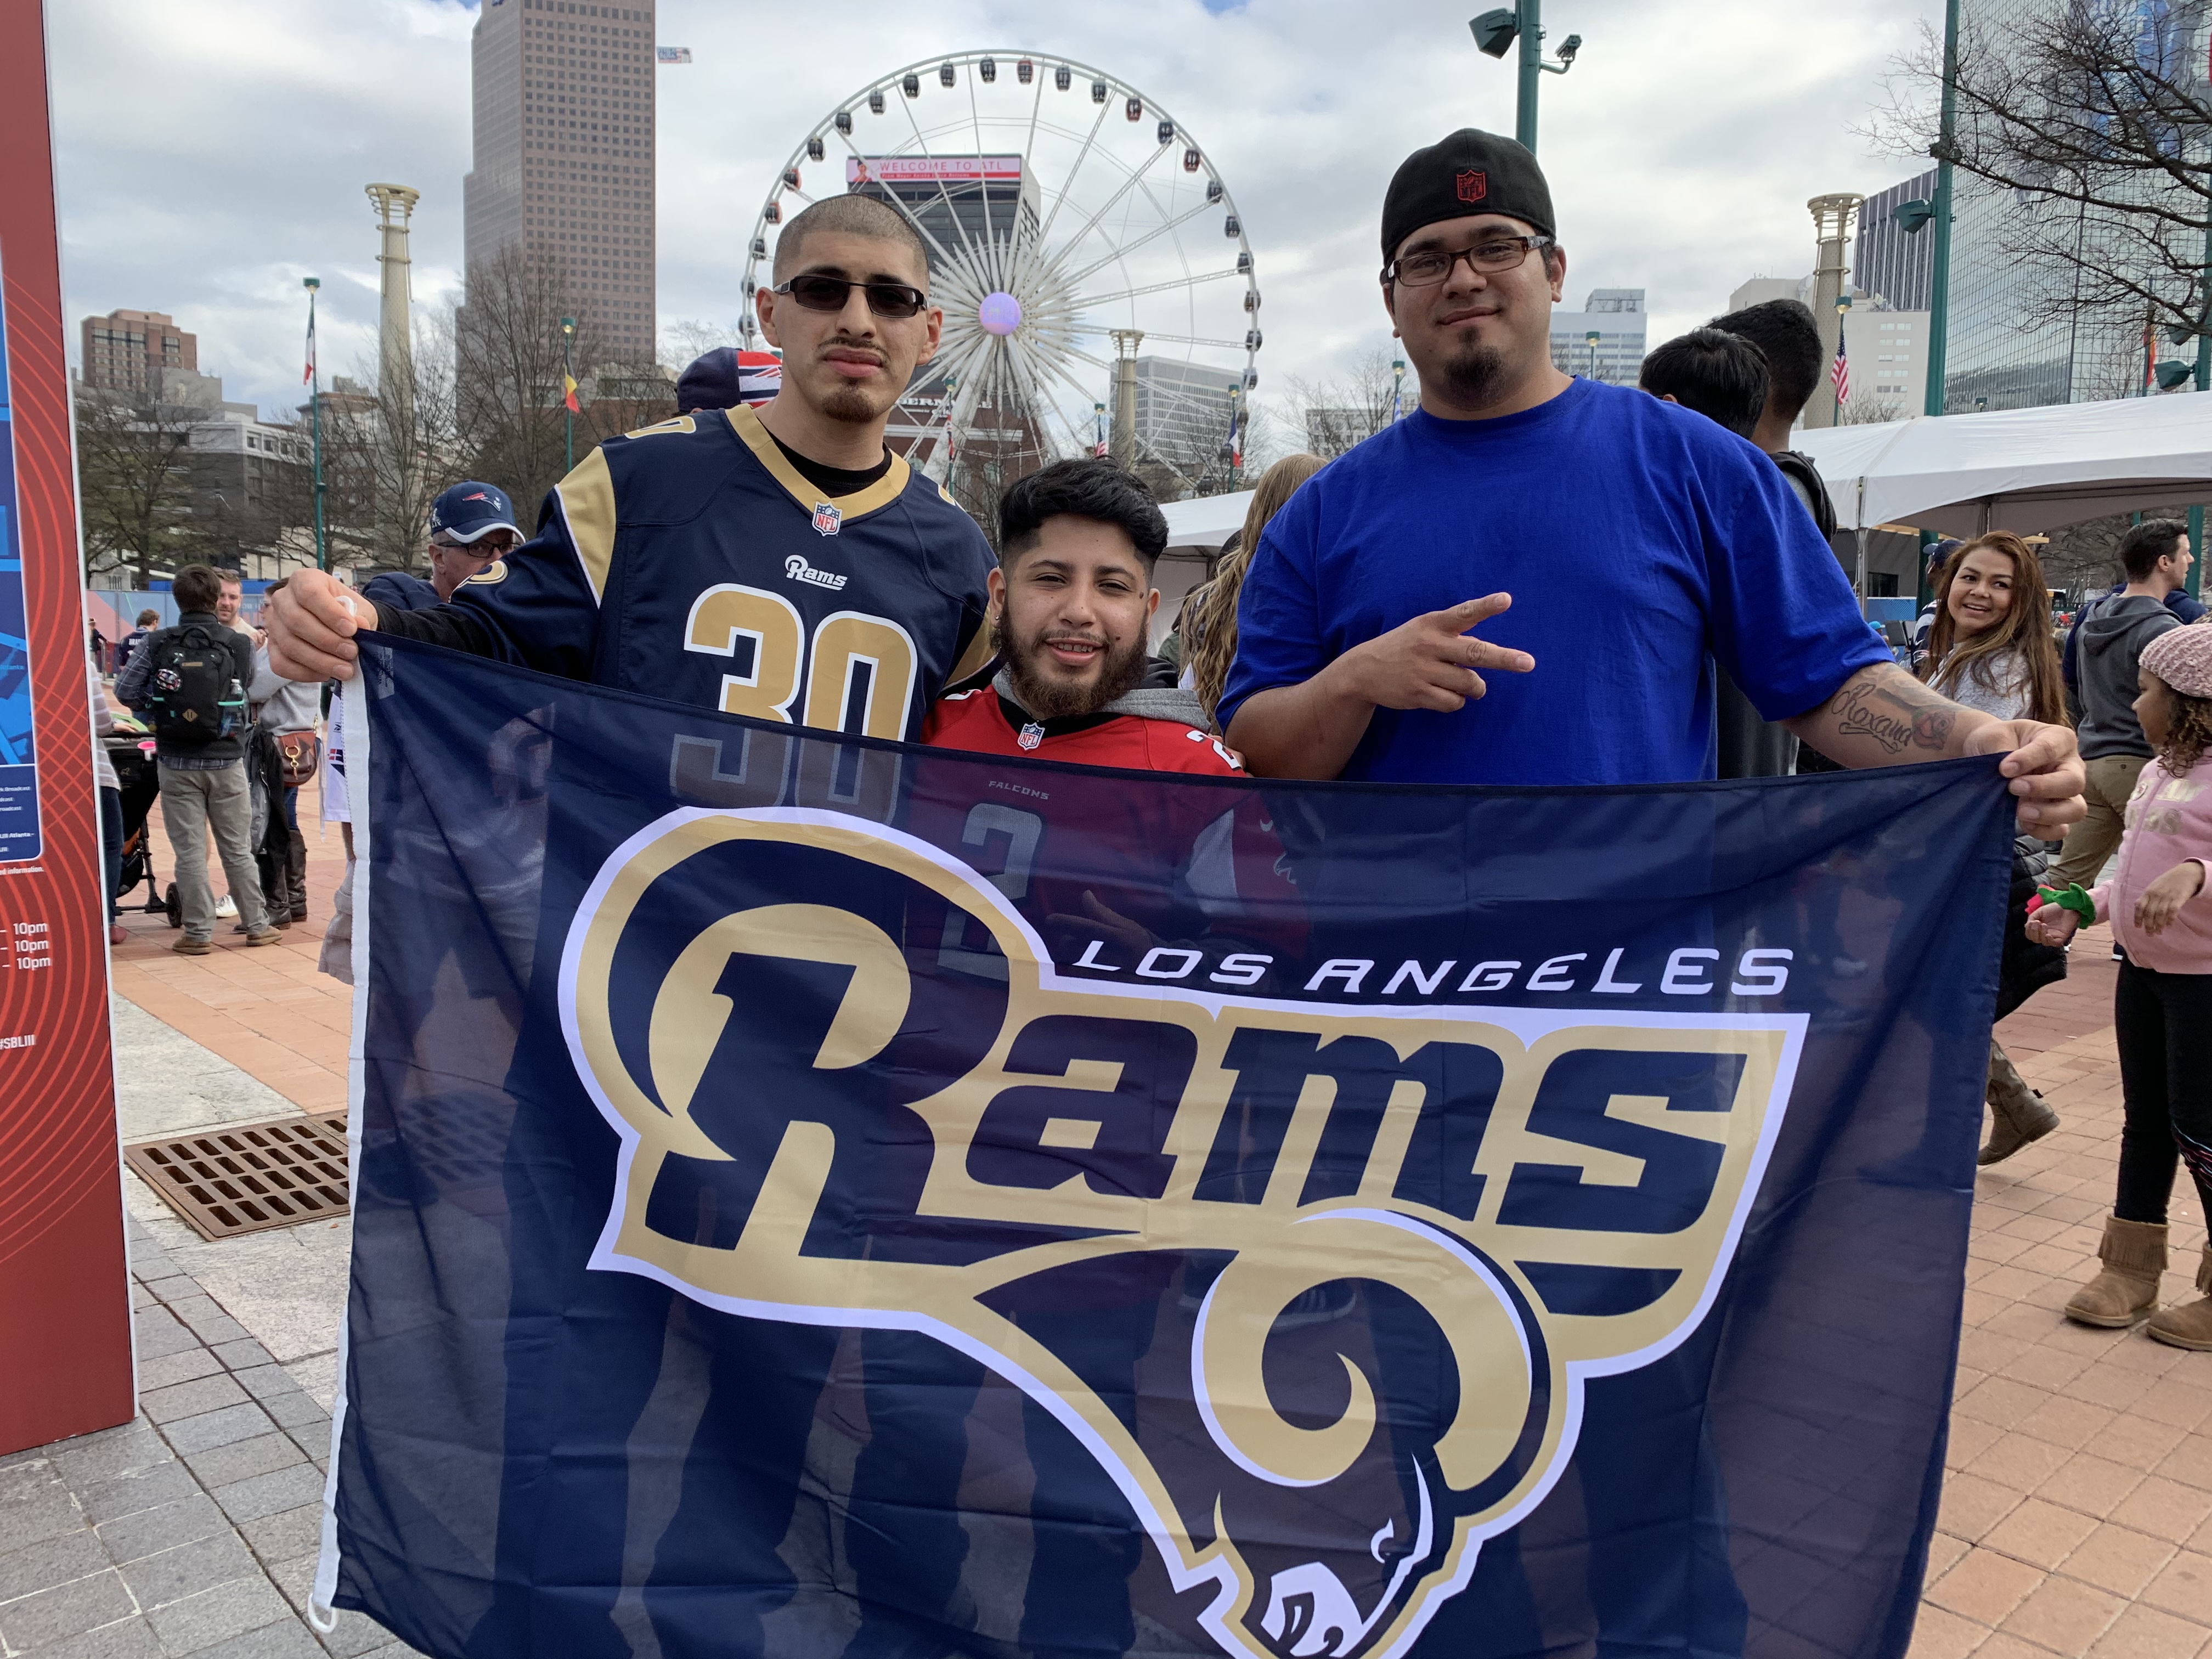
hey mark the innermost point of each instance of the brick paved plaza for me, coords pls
(2076, 1516)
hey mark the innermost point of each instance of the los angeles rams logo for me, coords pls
(1371, 1255)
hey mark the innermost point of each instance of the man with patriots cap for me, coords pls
(1610, 546)
(471, 527)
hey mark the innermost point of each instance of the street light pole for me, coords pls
(315, 421)
(1936, 359)
(1591, 340)
(1495, 33)
(1531, 13)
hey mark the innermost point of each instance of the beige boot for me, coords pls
(2190, 1325)
(2017, 1114)
(2125, 1291)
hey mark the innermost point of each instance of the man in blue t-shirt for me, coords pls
(1611, 541)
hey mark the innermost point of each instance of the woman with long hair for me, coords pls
(1210, 614)
(1990, 647)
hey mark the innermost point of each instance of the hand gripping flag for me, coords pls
(818, 1196)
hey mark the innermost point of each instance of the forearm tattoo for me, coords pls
(1896, 711)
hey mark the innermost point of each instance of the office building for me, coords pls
(563, 160)
(1615, 317)
(127, 351)
(1183, 413)
(1888, 355)
(1886, 258)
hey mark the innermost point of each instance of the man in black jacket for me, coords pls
(1786, 338)
(203, 782)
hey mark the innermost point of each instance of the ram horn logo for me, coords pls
(1365, 1260)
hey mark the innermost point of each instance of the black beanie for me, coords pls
(1469, 173)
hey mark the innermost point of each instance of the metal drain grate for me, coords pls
(245, 1177)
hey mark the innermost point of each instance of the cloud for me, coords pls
(211, 152)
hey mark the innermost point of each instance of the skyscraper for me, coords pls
(564, 148)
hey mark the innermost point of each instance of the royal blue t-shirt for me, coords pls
(1639, 542)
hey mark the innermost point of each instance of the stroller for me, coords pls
(132, 755)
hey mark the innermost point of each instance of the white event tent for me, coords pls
(2021, 469)
(1201, 525)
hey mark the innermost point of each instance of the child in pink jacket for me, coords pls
(2162, 1009)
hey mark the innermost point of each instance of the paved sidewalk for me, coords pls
(191, 1531)
(2079, 1480)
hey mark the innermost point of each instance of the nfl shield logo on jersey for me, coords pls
(826, 518)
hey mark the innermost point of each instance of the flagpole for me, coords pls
(315, 421)
(567, 395)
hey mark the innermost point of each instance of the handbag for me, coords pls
(299, 754)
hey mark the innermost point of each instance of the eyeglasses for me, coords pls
(1431, 266)
(816, 292)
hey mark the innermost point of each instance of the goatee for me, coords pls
(1475, 379)
(1053, 699)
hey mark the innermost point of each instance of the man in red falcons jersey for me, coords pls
(1071, 603)
(1082, 854)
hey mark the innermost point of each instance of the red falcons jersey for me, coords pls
(1048, 839)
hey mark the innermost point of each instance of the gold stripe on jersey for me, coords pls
(880, 493)
(972, 659)
(587, 508)
(662, 428)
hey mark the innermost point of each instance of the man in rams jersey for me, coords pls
(776, 562)
(780, 563)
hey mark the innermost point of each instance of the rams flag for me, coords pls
(825, 1197)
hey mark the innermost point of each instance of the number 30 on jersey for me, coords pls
(858, 671)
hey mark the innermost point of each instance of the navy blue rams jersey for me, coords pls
(691, 561)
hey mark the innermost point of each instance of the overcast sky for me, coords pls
(213, 152)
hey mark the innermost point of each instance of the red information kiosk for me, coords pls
(65, 1355)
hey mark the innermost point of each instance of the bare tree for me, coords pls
(682, 341)
(136, 485)
(1327, 418)
(509, 362)
(2093, 122)
(1871, 411)
(385, 456)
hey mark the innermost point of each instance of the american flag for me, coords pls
(1839, 372)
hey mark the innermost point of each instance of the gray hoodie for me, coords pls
(2110, 647)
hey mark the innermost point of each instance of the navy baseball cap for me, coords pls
(470, 511)
(725, 377)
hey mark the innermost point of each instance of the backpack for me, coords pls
(192, 694)
(1799, 468)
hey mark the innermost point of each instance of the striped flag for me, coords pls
(1839, 372)
(308, 374)
(569, 394)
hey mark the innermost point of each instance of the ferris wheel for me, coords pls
(1081, 240)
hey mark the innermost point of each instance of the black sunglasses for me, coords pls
(817, 292)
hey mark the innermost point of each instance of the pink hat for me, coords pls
(2182, 657)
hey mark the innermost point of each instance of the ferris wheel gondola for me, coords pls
(1061, 243)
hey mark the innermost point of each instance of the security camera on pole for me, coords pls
(1495, 32)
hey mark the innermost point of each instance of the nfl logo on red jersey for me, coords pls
(826, 518)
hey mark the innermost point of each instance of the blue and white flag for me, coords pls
(825, 1197)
